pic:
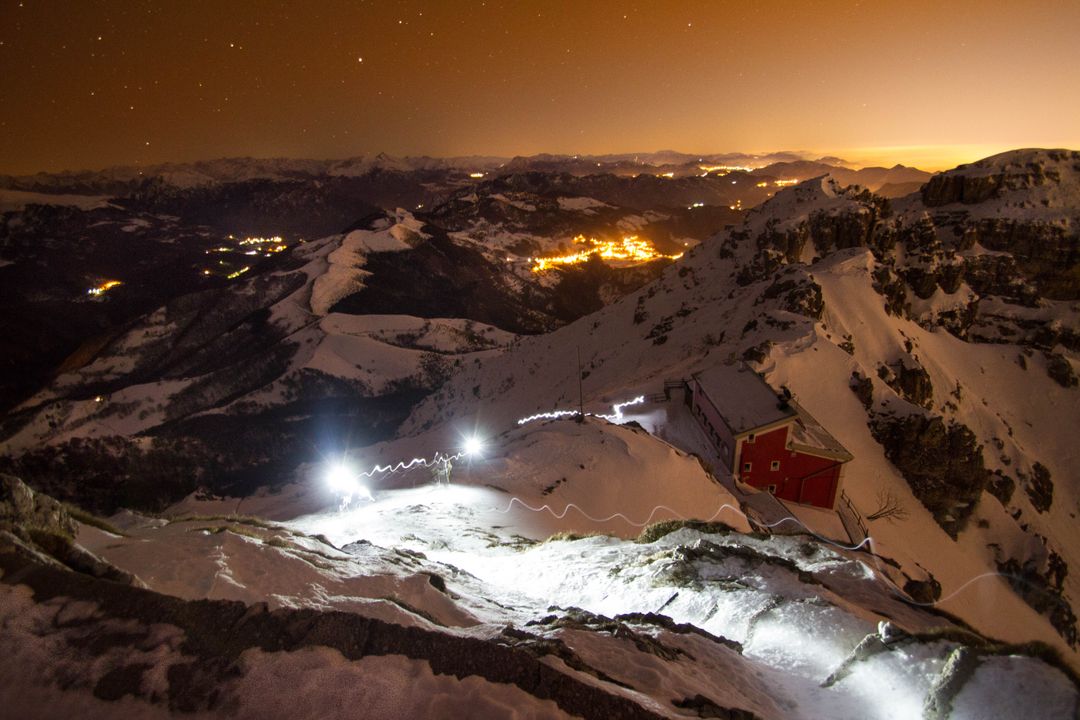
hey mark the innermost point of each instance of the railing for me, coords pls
(851, 519)
(670, 385)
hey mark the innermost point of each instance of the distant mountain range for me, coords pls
(118, 180)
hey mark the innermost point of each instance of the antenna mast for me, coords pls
(581, 395)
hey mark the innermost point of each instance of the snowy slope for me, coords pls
(777, 618)
(716, 305)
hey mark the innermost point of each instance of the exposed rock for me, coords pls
(757, 353)
(942, 463)
(215, 633)
(1060, 370)
(999, 275)
(36, 525)
(947, 188)
(959, 668)
(1047, 254)
(1040, 582)
(910, 381)
(806, 300)
(1001, 486)
(25, 513)
(894, 290)
(706, 708)
(863, 387)
(868, 647)
(923, 591)
(1039, 487)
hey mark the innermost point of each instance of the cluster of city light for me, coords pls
(276, 240)
(725, 169)
(476, 175)
(630, 248)
(103, 287)
(239, 272)
(784, 183)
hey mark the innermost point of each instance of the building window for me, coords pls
(750, 438)
(774, 465)
(746, 466)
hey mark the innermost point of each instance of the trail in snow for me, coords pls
(347, 490)
(868, 541)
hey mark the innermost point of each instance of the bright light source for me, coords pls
(473, 446)
(341, 478)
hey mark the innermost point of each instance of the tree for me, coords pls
(889, 507)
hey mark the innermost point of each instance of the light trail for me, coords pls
(649, 520)
(437, 459)
(867, 543)
(880, 574)
(554, 415)
(615, 416)
(473, 446)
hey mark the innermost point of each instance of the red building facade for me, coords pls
(767, 441)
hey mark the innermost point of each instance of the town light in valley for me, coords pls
(629, 249)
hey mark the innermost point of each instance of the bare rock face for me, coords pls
(1047, 254)
(910, 381)
(36, 525)
(24, 512)
(947, 188)
(992, 177)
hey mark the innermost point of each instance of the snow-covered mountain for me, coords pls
(825, 289)
(934, 335)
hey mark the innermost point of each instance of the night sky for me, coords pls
(87, 84)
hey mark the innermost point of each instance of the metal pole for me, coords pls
(581, 395)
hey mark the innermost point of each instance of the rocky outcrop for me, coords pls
(942, 463)
(196, 673)
(1039, 487)
(1040, 581)
(25, 513)
(947, 188)
(990, 178)
(1047, 253)
(1060, 370)
(910, 381)
(37, 527)
(959, 668)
